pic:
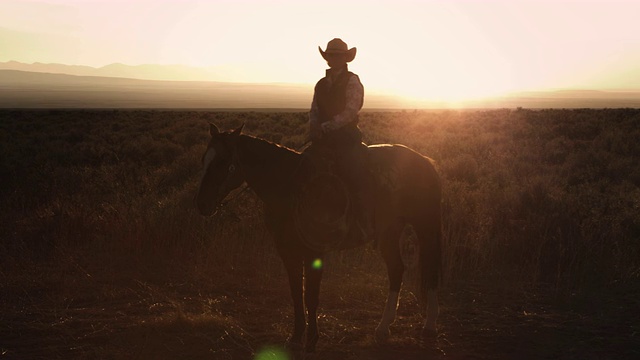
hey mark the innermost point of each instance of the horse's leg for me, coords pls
(390, 252)
(429, 327)
(429, 236)
(293, 265)
(312, 279)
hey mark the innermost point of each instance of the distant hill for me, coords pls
(20, 89)
(568, 99)
(42, 90)
(146, 72)
(28, 89)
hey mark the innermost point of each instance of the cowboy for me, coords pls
(333, 121)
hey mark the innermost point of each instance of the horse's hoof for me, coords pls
(382, 336)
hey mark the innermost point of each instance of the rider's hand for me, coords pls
(329, 126)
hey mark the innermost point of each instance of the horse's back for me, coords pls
(398, 166)
(407, 182)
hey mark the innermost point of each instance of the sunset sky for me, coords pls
(436, 50)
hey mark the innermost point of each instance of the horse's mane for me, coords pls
(263, 150)
(264, 144)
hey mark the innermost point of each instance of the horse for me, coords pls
(408, 193)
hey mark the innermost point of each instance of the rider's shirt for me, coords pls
(337, 99)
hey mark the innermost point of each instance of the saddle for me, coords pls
(324, 211)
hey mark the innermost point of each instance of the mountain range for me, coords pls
(41, 85)
(145, 72)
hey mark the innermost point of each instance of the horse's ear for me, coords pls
(237, 131)
(213, 129)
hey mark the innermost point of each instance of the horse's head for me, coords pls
(222, 171)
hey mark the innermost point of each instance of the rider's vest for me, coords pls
(331, 98)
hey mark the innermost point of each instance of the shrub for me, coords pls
(547, 197)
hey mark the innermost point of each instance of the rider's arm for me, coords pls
(354, 101)
(314, 121)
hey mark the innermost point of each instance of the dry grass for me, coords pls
(102, 255)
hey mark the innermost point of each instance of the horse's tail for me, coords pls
(430, 262)
(430, 239)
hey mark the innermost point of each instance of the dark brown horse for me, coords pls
(408, 197)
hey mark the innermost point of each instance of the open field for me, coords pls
(103, 256)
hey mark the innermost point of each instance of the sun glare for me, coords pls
(433, 54)
(432, 50)
(437, 79)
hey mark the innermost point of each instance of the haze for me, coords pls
(431, 50)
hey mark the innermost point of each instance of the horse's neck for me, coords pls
(268, 167)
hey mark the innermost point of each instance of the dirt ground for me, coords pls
(81, 314)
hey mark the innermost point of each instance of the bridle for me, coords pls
(245, 186)
(235, 159)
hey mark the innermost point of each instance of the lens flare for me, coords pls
(272, 353)
(317, 264)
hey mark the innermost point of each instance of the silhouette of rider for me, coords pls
(333, 121)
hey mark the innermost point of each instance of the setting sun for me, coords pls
(447, 51)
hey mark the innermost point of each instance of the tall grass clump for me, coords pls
(531, 197)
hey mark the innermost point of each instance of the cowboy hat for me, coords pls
(337, 46)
